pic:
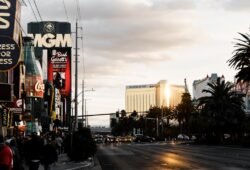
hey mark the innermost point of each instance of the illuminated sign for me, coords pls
(39, 86)
(9, 53)
(52, 40)
(59, 69)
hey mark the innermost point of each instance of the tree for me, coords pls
(222, 110)
(184, 111)
(241, 58)
(82, 146)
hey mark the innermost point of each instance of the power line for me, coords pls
(38, 10)
(65, 10)
(83, 55)
(33, 10)
(78, 14)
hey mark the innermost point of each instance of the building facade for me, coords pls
(141, 97)
(245, 89)
(200, 85)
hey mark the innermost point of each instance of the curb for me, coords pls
(96, 164)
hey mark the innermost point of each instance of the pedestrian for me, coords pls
(59, 142)
(49, 155)
(6, 157)
(33, 152)
(17, 162)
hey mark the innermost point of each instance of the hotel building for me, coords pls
(141, 97)
(200, 85)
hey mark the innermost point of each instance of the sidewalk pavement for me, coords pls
(64, 163)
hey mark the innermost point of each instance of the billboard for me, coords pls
(9, 34)
(55, 37)
(59, 69)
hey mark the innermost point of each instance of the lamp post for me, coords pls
(83, 92)
(85, 115)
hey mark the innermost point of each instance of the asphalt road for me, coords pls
(162, 156)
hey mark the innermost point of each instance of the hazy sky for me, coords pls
(127, 42)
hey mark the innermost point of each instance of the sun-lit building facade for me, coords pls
(141, 97)
(176, 94)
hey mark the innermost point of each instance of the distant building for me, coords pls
(141, 97)
(245, 89)
(199, 85)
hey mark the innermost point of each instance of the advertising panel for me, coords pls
(34, 86)
(59, 69)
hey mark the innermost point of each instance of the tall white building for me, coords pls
(141, 97)
(199, 85)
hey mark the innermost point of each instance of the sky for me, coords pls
(130, 42)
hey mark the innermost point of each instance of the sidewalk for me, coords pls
(64, 163)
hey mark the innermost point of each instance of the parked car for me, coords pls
(141, 138)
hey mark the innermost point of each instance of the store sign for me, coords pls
(52, 40)
(16, 110)
(7, 17)
(9, 53)
(4, 113)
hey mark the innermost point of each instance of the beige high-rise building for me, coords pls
(141, 97)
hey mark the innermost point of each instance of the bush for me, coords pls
(83, 145)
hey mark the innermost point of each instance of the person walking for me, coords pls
(17, 162)
(49, 155)
(6, 156)
(33, 152)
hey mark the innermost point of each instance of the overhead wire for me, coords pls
(65, 10)
(38, 10)
(33, 11)
(78, 10)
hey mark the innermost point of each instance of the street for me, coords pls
(159, 156)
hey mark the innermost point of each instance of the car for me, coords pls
(98, 139)
(141, 138)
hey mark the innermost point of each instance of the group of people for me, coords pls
(30, 151)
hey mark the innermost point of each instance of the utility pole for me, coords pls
(83, 103)
(86, 121)
(76, 77)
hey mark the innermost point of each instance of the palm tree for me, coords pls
(241, 58)
(223, 109)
